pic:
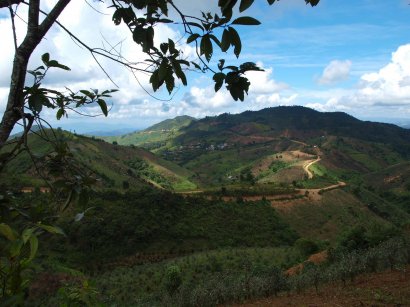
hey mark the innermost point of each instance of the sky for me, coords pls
(351, 56)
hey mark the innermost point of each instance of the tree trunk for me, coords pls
(35, 33)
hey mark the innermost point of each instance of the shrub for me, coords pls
(173, 279)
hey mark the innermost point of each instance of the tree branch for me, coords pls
(13, 26)
(52, 16)
(33, 15)
(7, 3)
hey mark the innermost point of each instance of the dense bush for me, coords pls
(161, 223)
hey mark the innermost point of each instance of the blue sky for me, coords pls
(351, 56)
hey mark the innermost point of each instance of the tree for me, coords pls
(25, 103)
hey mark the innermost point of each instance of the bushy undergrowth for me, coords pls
(162, 224)
(228, 276)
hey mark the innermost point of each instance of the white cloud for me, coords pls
(384, 92)
(98, 31)
(264, 92)
(262, 82)
(331, 105)
(335, 72)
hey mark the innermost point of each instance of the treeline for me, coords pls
(249, 190)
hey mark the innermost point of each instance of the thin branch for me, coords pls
(13, 26)
(104, 71)
(94, 9)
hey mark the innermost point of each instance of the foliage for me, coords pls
(235, 275)
(78, 295)
(152, 221)
(173, 279)
(19, 242)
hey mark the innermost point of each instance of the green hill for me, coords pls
(154, 136)
(115, 165)
(225, 148)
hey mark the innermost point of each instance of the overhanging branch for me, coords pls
(7, 3)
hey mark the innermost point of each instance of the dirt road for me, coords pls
(309, 164)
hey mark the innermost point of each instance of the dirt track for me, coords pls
(309, 164)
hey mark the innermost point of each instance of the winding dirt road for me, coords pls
(309, 164)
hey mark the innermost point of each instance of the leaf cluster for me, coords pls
(206, 32)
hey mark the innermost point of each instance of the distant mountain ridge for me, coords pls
(296, 122)
(174, 123)
(153, 135)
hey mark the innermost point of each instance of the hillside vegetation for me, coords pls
(222, 210)
(117, 167)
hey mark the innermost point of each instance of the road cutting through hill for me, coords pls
(309, 164)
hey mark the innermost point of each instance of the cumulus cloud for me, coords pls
(336, 71)
(390, 86)
(264, 92)
(332, 104)
(98, 31)
(387, 89)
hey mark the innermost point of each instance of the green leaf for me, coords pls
(163, 69)
(215, 39)
(33, 247)
(170, 83)
(138, 35)
(218, 78)
(226, 41)
(7, 232)
(245, 4)
(247, 66)
(103, 106)
(27, 233)
(54, 63)
(51, 229)
(206, 47)
(35, 102)
(154, 80)
(60, 113)
(312, 2)
(192, 37)
(164, 48)
(246, 21)
(126, 14)
(149, 43)
(171, 44)
(271, 2)
(235, 41)
(15, 247)
(178, 71)
(45, 58)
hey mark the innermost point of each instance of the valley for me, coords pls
(216, 210)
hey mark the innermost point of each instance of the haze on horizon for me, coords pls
(351, 57)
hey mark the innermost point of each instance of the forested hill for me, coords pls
(299, 123)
